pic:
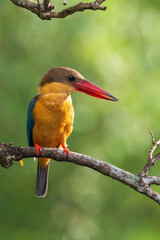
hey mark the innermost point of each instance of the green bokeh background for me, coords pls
(119, 50)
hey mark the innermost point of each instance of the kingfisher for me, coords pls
(51, 114)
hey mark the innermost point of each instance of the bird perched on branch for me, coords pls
(50, 115)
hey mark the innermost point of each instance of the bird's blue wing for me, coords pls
(30, 120)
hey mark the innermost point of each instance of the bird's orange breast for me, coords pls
(53, 116)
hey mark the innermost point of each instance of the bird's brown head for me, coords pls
(67, 80)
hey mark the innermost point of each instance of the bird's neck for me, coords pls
(56, 88)
(55, 94)
(55, 98)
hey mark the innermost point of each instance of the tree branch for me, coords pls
(45, 10)
(141, 183)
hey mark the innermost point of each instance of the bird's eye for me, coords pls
(71, 78)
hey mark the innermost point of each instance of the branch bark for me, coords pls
(141, 183)
(45, 10)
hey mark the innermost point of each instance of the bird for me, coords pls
(50, 115)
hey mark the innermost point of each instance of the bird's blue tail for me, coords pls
(42, 181)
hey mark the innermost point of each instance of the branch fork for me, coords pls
(151, 160)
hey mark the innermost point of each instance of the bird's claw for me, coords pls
(65, 149)
(38, 148)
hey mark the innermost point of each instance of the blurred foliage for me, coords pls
(119, 50)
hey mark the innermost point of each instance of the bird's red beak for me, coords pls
(91, 89)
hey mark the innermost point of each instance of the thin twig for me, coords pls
(152, 137)
(46, 4)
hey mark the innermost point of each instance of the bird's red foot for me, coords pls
(38, 148)
(65, 149)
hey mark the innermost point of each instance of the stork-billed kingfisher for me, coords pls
(50, 115)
